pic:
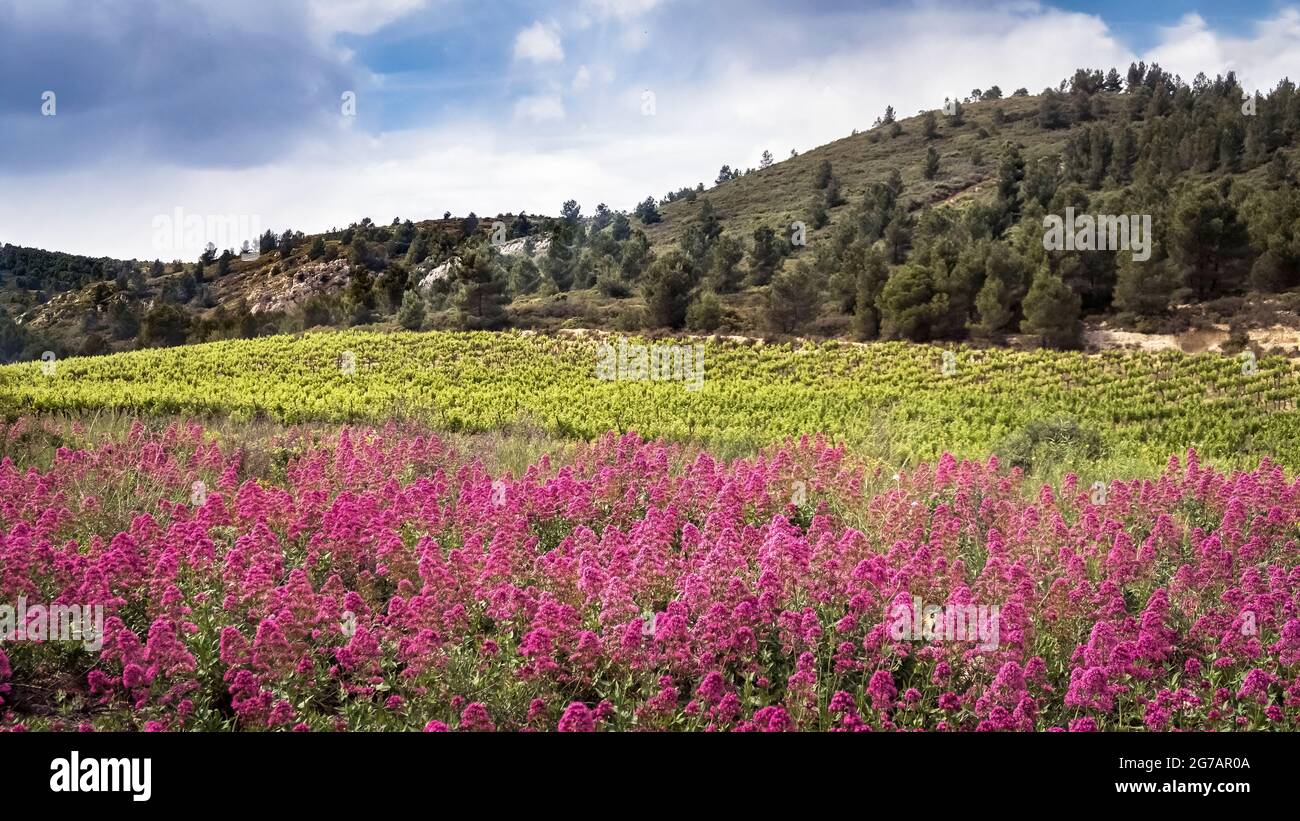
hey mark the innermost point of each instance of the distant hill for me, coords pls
(927, 227)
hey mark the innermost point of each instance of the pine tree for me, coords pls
(1052, 311)
(908, 304)
(411, 315)
(317, 248)
(792, 299)
(824, 174)
(994, 306)
(647, 211)
(621, 228)
(1144, 288)
(929, 125)
(931, 164)
(1051, 112)
(871, 274)
(1279, 172)
(480, 299)
(524, 276)
(705, 312)
(765, 255)
(724, 265)
(561, 258)
(1207, 241)
(666, 287)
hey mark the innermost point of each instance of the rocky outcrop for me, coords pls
(286, 292)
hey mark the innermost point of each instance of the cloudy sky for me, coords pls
(245, 107)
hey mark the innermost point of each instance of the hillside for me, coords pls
(786, 190)
(924, 228)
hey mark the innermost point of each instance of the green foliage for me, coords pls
(163, 326)
(666, 287)
(411, 315)
(1052, 311)
(765, 255)
(909, 305)
(705, 312)
(792, 299)
(891, 394)
(931, 168)
(480, 298)
(1207, 241)
(1044, 444)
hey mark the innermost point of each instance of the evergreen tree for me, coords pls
(1051, 111)
(705, 312)
(1011, 172)
(360, 295)
(957, 116)
(469, 225)
(765, 255)
(666, 287)
(792, 299)
(1207, 241)
(524, 277)
(724, 265)
(1144, 288)
(411, 315)
(931, 163)
(871, 272)
(1052, 311)
(418, 251)
(223, 263)
(994, 306)
(898, 235)
(163, 326)
(929, 125)
(560, 263)
(824, 174)
(480, 297)
(647, 211)
(520, 226)
(908, 304)
(622, 228)
(635, 257)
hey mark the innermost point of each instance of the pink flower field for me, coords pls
(381, 580)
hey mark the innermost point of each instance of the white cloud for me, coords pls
(582, 79)
(539, 150)
(539, 43)
(539, 108)
(1271, 52)
(621, 9)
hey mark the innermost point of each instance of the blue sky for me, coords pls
(235, 107)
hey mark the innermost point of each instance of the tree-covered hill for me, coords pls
(928, 227)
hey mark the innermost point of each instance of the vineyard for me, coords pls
(906, 402)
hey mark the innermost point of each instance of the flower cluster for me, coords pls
(379, 579)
